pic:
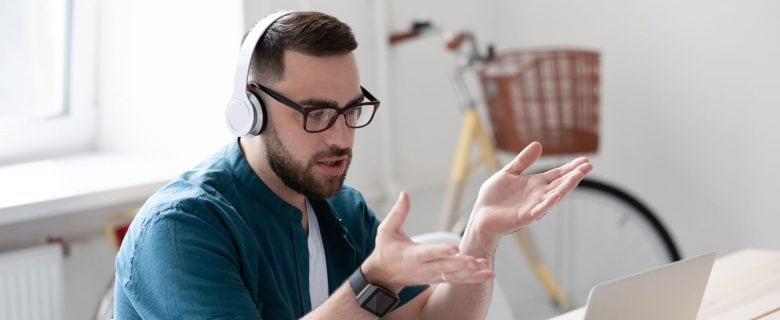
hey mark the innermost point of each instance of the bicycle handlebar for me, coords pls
(417, 28)
(453, 42)
(397, 37)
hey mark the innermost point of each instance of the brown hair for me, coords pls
(311, 33)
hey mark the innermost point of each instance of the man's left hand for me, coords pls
(509, 200)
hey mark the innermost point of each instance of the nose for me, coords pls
(339, 135)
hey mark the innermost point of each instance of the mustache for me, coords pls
(332, 152)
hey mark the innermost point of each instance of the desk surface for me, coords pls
(742, 285)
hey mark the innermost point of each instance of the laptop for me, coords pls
(669, 292)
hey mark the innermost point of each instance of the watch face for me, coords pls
(380, 301)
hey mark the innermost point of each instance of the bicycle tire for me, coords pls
(671, 247)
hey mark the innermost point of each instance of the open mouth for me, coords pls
(333, 163)
(332, 166)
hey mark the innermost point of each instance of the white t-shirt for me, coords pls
(318, 270)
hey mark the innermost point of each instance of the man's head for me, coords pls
(306, 57)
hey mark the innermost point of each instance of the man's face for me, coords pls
(312, 164)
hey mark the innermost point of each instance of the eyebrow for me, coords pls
(314, 102)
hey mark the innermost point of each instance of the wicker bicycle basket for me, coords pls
(550, 96)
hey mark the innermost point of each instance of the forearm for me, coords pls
(342, 304)
(464, 301)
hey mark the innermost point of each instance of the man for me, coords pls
(265, 228)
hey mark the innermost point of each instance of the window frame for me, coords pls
(74, 130)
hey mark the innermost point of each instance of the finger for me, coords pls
(482, 272)
(395, 219)
(483, 264)
(429, 252)
(584, 167)
(524, 159)
(549, 201)
(451, 264)
(463, 277)
(459, 267)
(566, 185)
(570, 181)
(561, 171)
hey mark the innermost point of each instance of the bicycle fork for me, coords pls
(451, 219)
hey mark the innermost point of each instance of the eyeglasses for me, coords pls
(321, 118)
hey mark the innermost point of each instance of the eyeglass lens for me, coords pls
(356, 117)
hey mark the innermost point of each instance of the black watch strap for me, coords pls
(357, 281)
(372, 298)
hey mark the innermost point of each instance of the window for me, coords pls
(45, 107)
(32, 81)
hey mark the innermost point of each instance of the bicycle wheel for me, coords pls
(598, 233)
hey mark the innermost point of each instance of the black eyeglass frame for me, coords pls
(372, 101)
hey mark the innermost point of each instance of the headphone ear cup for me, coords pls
(259, 113)
(240, 117)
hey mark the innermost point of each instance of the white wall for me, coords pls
(165, 74)
(689, 106)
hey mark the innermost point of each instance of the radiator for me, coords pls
(31, 283)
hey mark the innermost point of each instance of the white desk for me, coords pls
(743, 285)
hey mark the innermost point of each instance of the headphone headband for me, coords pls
(248, 48)
(242, 115)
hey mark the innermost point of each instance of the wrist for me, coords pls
(478, 242)
(372, 298)
(376, 275)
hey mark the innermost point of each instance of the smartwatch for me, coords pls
(373, 298)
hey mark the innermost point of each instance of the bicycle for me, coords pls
(623, 235)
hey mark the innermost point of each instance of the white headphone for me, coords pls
(245, 113)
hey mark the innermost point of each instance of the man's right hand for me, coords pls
(397, 261)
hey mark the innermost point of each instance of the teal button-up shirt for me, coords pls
(217, 243)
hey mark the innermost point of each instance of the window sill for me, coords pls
(47, 188)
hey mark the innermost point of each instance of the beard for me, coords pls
(300, 178)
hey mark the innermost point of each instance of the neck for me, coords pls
(255, 155)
